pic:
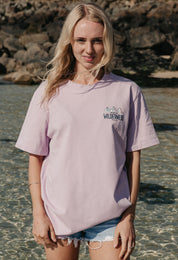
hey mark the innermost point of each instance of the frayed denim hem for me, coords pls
(88, 242)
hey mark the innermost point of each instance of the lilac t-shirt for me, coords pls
(84, 133)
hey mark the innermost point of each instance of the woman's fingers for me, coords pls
(124, 247)
(117, 239)
(125, 238)
(52, 234)
(130, 248)
(45, 240)
(43, 231)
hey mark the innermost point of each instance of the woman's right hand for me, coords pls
(43, 230)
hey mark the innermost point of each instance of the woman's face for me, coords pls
(87, 44)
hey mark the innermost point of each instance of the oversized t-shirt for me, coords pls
(84, 133)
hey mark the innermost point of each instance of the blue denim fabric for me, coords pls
(101, 232)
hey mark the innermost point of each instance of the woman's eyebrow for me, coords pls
(79, 37)
(94, 38)
(98, 38)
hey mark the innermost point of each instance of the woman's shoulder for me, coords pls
(41, 88)
(126, 83)
(39, 93)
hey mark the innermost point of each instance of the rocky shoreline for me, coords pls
(146, 35)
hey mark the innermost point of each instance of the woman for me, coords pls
(84, 130)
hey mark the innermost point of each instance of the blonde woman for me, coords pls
(84, 130)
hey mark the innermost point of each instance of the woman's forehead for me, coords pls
(86, 28)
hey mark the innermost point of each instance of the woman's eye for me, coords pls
(98, 41)
(80, 40)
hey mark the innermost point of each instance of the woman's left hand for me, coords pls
(124, 236)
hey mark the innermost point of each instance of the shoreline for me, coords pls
(158, 79)
(145, 36)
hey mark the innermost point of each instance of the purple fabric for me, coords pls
(84, 133)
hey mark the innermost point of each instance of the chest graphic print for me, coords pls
(113, 113)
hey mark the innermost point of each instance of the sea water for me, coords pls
(156, 217)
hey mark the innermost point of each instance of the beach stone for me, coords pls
(22, 5)
(163, 48)
(174, 63)
(2, 68)
(21, 56)
(47, 46)
(3, 35)
(165, 74)
(52, 50)
(23, 78)
(143, 37)
(39, 38)
(12, 44)
(1, 43)
(33, 53)
(160, 9)
(11, 65)
(145, 31)
(4, 59)
(54, 30)
(36, 68)
(19, 77)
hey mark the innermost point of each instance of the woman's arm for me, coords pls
(42, 228)
(125, 229)
(133, 173)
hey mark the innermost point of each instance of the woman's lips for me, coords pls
(88, 58)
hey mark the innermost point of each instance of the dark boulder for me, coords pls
(12, 44)
(38, 38)
(146, 34)
(174, 63)
(144, 37)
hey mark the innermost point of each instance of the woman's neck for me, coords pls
(87, 78)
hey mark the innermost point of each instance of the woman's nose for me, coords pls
(89, 47)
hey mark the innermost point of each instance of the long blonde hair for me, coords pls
(63, 64)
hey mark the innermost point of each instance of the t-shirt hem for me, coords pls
(143, 145)
(30, 150)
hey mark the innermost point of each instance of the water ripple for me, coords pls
(156, 220)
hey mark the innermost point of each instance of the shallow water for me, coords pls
(156, 221)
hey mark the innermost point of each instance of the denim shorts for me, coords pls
(101, 232)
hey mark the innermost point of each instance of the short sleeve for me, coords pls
(141, 132)
(33, 135)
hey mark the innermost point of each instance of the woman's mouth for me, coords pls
(88, 58)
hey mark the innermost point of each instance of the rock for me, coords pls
(52, 50)
(160, 9)
(22, 5)
(47, 46)
(163, 48)
(174, 63)
(37, 70)
(145, 31)
(144, 37)
(11, 65)
(21, 56)
(33, 53)
(4, 35)
(2, 69)
(1, 43)
(120, 38)
(164, 74)
(53, 30)
(39, 38)
(19, 77)
(4, 59)
(12, 44)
